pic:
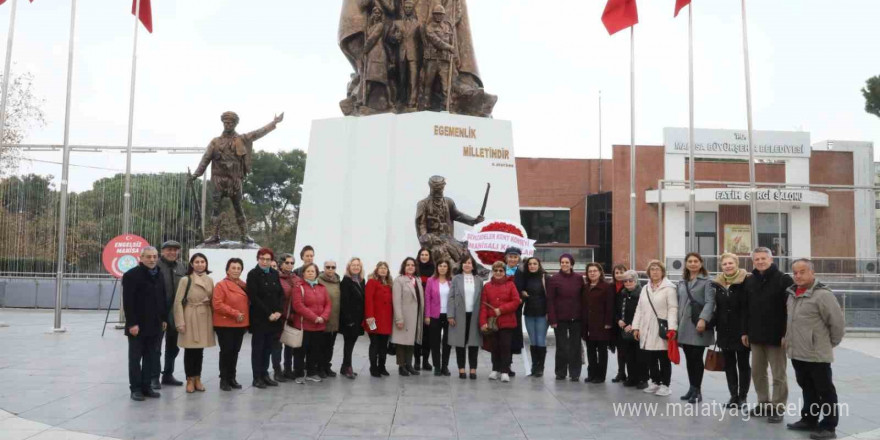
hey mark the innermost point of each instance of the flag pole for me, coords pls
(126, 210)
(600, 141)
(65, 173)
(632, 148)
(753, 204)
(10, 36)
(692, 202)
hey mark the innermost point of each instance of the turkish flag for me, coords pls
(679, 5)
(145, 13)
(619, 15)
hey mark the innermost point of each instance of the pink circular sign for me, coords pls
(122, 254)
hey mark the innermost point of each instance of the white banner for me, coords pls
(499, 242)
(735, 143)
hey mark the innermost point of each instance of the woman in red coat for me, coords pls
(598, 311)
(311, 310)
(500, 299)
(378, 317)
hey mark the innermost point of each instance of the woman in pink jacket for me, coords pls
(311, 310)
(436, 300)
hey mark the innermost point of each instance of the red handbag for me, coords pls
(674, 355)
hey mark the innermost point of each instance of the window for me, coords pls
(546, 226)
(770, 235)
(706, 232)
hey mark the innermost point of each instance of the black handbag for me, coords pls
(696, 311)
(663, 324)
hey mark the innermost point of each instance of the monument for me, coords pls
(415, 110)
(230, 156)
(411, 55)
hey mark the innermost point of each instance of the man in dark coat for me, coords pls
(764, 318)
(143, 300)
(172, 270)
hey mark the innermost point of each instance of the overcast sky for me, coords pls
(546, 60)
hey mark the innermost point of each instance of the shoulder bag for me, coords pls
(695, 311)
(714, 359)
(492, 322)
(292, 336)
(186, 292)
(663, 324)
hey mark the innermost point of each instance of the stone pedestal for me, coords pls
(365, 175)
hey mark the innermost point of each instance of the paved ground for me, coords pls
(74, 386)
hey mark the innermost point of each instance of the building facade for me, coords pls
(813, 200)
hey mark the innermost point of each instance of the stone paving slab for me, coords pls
(74, 386)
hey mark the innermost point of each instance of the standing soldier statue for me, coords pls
(230, 156)
(435, 223)
(409, 31)
(439, 51)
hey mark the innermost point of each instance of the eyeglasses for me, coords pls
(329, 267)
(498, 271)
(288, 262)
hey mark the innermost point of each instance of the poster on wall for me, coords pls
(738, 239)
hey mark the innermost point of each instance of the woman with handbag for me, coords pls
(193, 317)
(598, 317)
(564, 315)
(534, 295)
(729, 295)
(624, 310)
(408, 300)
(499, 300)
(696, 299)
(464, 329)
(656, 320)
(311, 310)
(436, 317)
(378, 317)
(351, 311)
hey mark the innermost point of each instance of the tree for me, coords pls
(23, 112)
(871, 92)
(274, 190)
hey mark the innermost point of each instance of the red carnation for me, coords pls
(490, 257)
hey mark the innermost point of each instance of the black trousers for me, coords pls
(229, 339)
(378, 349)
(738, 371)
(307, 359)
(472, 352)
(635, 360)
(423, 351)
(142, 360)
(659, 367)
(404, 354)
(288, 358)
(192, 361)
(350, 336)
(621, 358)
(693, 355)
(597, 359)
(277, 355)
(262, 344)
(326, 350)
(568, 348)
(820, 395)
(439, 338)
(171, 352)
(501, 350)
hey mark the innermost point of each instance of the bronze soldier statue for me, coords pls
(435, 223)
(376, 59)
(409, 31)
(230, 157)
(439, 52)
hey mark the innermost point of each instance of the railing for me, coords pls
(862, 267)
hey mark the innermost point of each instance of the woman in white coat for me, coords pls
(658, 302)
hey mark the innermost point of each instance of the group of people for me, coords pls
(431, 307)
